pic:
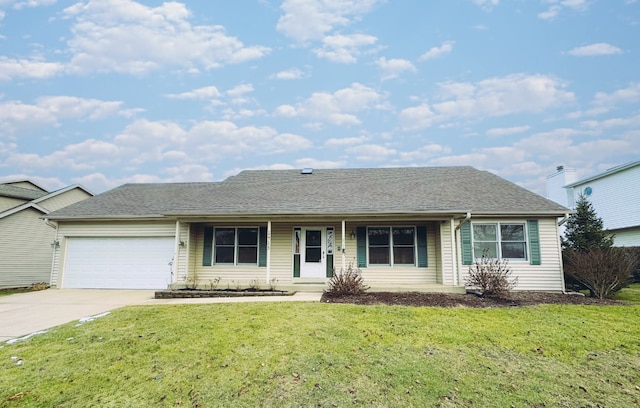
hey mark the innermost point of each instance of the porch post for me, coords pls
(454, 252)
(268, 251)
(344, 242)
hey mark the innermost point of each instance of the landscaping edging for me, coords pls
(182, 294)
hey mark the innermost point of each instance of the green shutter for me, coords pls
(465, 238)
(361, 237)
(534, 242)
(207, 253)
(296, 265)
(329, 266)
(262, 247)
(423, 260)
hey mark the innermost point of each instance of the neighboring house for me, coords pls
(405, 228)
(25, 239)
(615, 196)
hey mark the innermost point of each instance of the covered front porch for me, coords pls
(393, 253)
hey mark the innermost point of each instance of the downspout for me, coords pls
(456, 278)
(268, 251)
(344, 242)
(559, 244)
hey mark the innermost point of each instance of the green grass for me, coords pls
(291, 354)
(630, 294)
(13, 291)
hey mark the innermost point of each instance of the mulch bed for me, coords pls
(464, 300)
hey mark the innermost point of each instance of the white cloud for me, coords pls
(436, 52)
(28, 68)
(595, 50)
(394, 67)
(371, 152)
(128, 37)
(288, 74)
(309, 162)
(486, 4)
(336, 108)
(500, 96)
(556, 6)
(306, 20)
(182, 150)
(17, 117)
(499, 132)
(187, 173)
(19, 4)
(206, 92)
(240, 90)
(625, 95)
(424, 153)
(344, 49)
(345, 141)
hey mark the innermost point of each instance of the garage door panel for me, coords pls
(118, 263)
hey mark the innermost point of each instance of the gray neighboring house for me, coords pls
(26, 248)
(405, 228)
(615, 195)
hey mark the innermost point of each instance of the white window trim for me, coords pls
(236, 245)
(391, 264)
(499, 239)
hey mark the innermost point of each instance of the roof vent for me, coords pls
(307, 170)
(560, 168)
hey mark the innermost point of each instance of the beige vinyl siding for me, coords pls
(229, 275)
(446, 254)
(64, 199)
(183, 253)
(25, 249)
(106, 229)
(7, 203)
(544, 277)
(397, 275)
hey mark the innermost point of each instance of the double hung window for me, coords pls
(236, 245)
(392, 245)
(500, 240)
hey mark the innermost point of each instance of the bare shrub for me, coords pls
(491, 276)
(603, 271)
(347, 282)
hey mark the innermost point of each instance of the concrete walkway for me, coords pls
(25, 313)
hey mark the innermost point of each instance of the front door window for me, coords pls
(313, 262)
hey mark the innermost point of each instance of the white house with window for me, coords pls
(614, 194)
(404, 228)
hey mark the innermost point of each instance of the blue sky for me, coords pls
(108, 92)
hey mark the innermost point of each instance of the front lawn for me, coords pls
(630, 294)
(331, 355)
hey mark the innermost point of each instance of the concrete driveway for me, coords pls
(25, 313)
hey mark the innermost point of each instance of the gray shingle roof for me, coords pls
(426, 190)
(20, 193)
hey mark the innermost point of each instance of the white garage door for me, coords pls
(118, 263)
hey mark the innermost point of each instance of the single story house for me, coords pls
(25, 239)
(404, 228)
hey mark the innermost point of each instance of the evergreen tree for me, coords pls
(584, 230)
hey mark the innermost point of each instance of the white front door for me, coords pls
(313, 257)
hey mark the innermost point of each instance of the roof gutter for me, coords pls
(565, 219)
